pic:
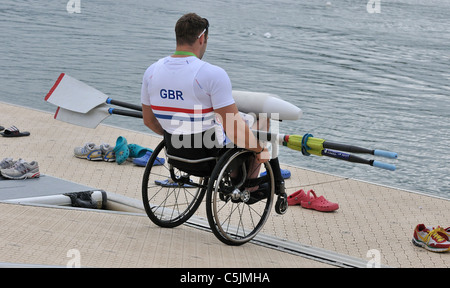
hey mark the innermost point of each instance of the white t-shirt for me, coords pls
(183, 93)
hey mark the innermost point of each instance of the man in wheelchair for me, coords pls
(189, 102)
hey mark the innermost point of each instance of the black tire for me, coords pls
(234, 216)
(169, 206)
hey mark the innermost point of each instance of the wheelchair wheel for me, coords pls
(170, 203)
(235, 214)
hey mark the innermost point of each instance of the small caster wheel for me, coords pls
(281, 205)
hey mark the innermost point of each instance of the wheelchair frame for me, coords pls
(235, 215)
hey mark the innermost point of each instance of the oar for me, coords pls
(94, 117)
(316, 145)
(310, 145)
(356, 159)
(307, 144)
(72, 94)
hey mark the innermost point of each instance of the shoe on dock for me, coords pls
(89, 151)
(22, 170)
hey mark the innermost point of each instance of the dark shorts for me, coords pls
(194, 147)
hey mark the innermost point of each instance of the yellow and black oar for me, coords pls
(308, 145)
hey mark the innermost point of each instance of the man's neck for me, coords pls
(185, 51)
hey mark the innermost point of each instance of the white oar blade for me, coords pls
(90, 119)
(72, 94)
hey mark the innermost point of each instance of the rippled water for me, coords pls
(378, 80)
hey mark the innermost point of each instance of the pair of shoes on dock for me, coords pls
(139, 154)
(120, 153)
(432, 239)
(311, 202)
(19, 169)
(93, 152)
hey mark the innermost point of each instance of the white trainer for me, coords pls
(22, 170)
(89, 151)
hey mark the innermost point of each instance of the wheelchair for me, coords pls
(174, 187)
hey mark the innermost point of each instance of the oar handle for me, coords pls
(386, 154)
(122, 112)
(123, 104)
(383, 165)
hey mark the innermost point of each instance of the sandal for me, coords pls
(319, 203)
(137, 151)
(296, 198)
(14, 132)
(121, 150)
(142, 161)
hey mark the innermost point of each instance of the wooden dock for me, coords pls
(372, 221)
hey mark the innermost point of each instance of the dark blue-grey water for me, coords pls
(378, 80)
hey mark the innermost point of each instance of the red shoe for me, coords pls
(297, 197)
(431, 239)
(319, 204)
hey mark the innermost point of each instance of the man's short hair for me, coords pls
(189, 27)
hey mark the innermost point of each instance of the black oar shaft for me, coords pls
(345, 156)
(347, 148)
(122, 112)
(124, 104)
